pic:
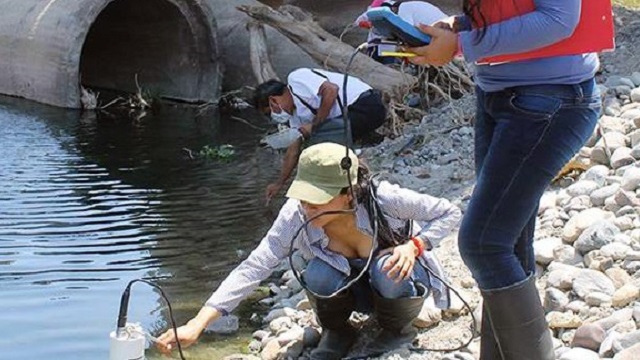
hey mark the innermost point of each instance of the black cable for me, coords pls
(124, 304)
(346, 164)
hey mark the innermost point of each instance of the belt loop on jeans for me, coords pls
(579, 92)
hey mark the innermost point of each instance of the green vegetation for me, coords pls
(222, 152)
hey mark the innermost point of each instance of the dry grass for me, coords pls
(629, 3)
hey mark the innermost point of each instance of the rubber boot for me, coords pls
(337, 334)
(395, 317)
(518, 322)
(488, 346)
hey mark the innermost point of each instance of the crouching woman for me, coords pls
(395, 282)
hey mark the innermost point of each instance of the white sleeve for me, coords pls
(438, 216)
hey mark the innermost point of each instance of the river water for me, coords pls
(90, 201)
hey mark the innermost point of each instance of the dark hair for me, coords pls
(471, 8)
(268, 88)
(362, 192)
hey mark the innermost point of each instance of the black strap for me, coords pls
(306, 104)
(387, 237)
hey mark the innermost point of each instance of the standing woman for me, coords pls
(532, 117)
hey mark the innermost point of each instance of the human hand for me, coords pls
(306, 130)
(441, 50)
(272, 190)
(399, 266)
(187, 334)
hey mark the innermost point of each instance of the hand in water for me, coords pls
(272, 190)
(187, 334)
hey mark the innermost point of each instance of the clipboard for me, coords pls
(594, 33)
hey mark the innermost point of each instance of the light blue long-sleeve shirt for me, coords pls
(434, 219)
(552, 21)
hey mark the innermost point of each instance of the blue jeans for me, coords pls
(523, 137)
(323, 279)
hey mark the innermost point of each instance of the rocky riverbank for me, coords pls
(587, 242)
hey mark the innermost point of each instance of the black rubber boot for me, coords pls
(337, 334)
(488, 346)
(518, 322)
(395, 317)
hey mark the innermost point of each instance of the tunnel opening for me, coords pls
(170, 55)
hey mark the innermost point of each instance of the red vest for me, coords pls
(594, 32)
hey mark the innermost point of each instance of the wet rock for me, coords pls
(270, 350)
(311, 337)
(295, 333)
(625, 295)
(580, 354)
(279, 313)
(555, 300)
(291, 351)
(588, 281)
(589, 336)
(260, 334)
(635, 152)
(241, 357)
(303, 304)
(225, 325)
(255, 346)
(280, 325)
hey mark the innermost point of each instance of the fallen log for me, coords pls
(298, 26)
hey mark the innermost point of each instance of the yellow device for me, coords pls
(397, 54)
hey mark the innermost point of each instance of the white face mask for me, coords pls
(282, 117)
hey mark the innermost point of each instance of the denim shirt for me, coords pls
(433, 218)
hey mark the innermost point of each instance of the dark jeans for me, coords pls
(523, 137)
(323, 279)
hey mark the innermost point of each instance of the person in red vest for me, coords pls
(533, 115)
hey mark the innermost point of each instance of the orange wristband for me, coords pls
(417, 242)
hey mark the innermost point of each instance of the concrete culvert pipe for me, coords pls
(49, 48)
